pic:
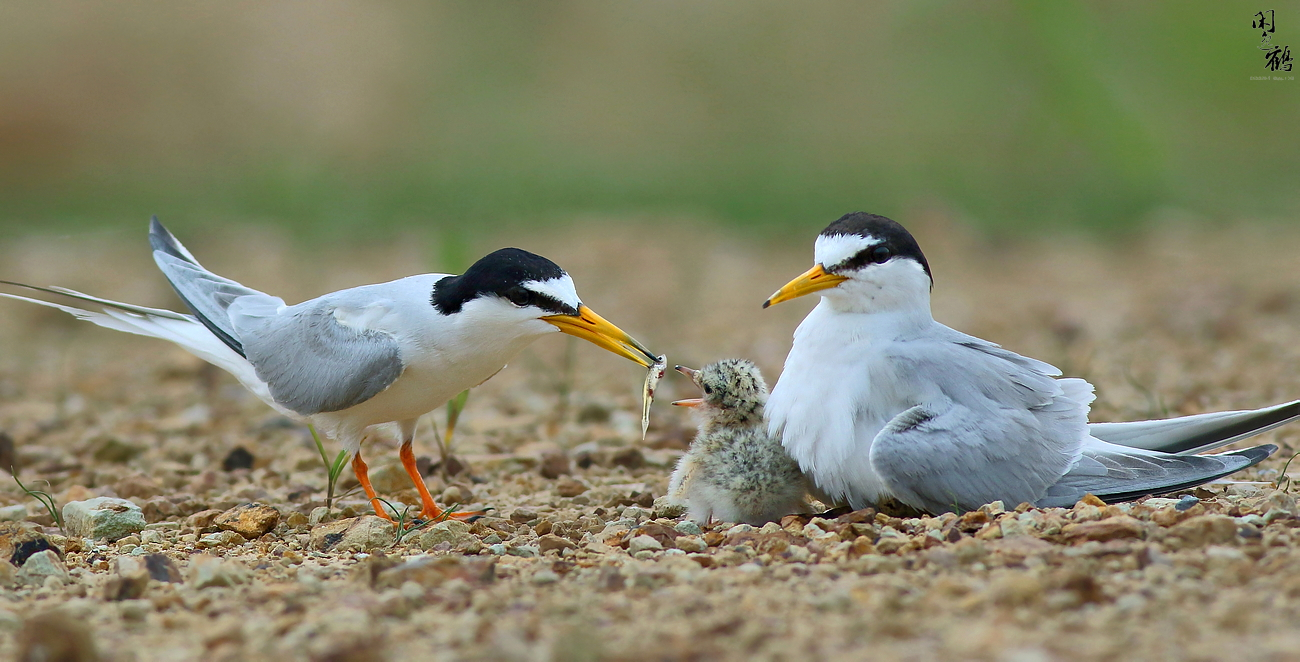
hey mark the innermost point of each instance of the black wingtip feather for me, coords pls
(1256, 454)
(162, 241)
(1253, 456)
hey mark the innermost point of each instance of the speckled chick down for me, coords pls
(734, 471)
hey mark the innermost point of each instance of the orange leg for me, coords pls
(431, 510)
(363, 476)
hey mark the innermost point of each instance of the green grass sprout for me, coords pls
(1284, 482)
(454, 408)
(41, 496)
(407, 524)
(332, 469)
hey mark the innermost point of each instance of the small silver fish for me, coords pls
(648, 394)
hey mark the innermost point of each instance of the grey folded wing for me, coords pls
(1115, 474)
(960, 460)
(312, 362)
(1004, 428)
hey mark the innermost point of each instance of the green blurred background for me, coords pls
(338, 118)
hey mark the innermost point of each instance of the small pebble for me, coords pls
(237, 458)
(691, 544)
(542, 577)
(1253, 519)
(525, 551)
(134, 609)
(103, 518)
(643, 543)
(42, 566)
(318, 515)
(210, 571)
(688, 528)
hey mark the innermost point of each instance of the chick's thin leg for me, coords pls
(363, 476)
(430, 510)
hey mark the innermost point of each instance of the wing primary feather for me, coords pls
(1252, 456)
(164, 243)
(161, 239)
(1127, 487)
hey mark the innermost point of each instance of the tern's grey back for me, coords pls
(311, 362)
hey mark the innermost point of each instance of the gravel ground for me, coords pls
(577, 562)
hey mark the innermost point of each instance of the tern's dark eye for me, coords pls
(881, 254)
(519, 296)
(708, 389)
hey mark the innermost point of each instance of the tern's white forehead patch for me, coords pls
(561, 289)
(832, 250)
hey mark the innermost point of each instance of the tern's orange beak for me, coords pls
(598, 331)
(812, 280)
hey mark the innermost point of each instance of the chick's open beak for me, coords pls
(598, 331)
(689, 402)
(812, 280)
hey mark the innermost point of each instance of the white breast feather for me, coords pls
(818, 407)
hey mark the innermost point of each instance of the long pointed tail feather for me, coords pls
(1195, 434)
(183, 330)
(63, 291)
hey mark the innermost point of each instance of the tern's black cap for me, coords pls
(501, 273)
(886, 232)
